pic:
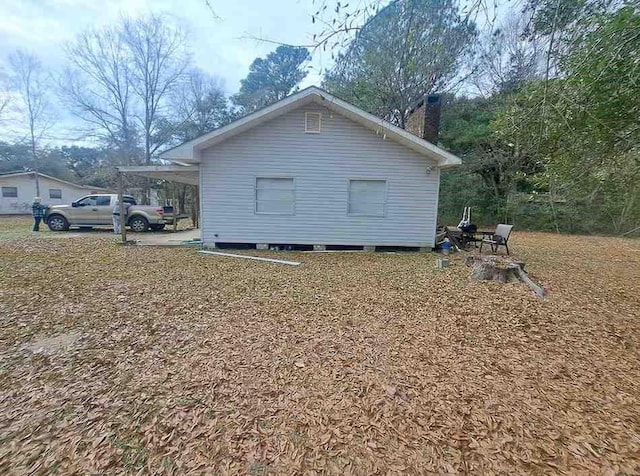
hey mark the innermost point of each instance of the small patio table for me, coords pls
(461, 239)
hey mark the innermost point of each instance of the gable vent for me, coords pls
(312, 122)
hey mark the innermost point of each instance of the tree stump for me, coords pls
(501, 269)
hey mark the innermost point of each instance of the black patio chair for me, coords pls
(499, 238)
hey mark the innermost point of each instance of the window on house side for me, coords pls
(312, 122)
(367, 198)
(55, 193)
(275, 195)
(9, 192)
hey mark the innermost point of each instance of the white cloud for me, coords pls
(220, 46)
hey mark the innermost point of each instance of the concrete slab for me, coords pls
(165, 238)
(62, 235)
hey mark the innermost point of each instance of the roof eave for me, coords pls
(50, 177)
(449, 165)
(250, 121)
(189, 152)
(440, 156)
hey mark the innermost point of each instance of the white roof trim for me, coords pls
(188, 152)
(189, 174)
(157, 168)
(85, 187)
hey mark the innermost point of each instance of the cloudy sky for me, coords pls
(220, 43)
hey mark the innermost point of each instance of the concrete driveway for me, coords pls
(165, 238)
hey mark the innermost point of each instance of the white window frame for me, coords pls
(9, 196)
(255, 195)
(368, 179)
(306, 122)
(55, 198)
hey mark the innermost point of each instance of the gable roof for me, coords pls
(189, 151)
(16, 174)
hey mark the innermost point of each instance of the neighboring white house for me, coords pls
(18, 189)
(312, 169)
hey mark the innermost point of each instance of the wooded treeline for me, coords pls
(542, 104)
(541, 99)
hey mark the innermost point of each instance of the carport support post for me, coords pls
(174, 202)
(123, 230)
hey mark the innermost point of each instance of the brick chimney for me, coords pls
(424, 118)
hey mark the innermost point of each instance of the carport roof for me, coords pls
(189, 174)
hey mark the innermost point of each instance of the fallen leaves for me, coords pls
(349, 364)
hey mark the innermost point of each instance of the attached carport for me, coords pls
(187, 174)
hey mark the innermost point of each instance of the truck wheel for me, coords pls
(157, 227)
(57, 223)
(138, 224)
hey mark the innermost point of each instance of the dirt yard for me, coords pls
(162, 361)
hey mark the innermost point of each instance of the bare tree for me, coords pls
(5, 94)
(158, 62)
(30, 81)
(507, 59)
(199, 105)
(4, 102)
(120, 81)
(98, 86)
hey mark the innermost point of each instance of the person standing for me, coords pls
(38, 210)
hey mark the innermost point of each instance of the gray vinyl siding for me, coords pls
(322, 165)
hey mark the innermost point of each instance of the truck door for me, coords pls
(86, 211)
(105, 210)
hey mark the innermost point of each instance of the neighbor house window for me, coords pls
(55, 193)
(312, 122)
(9, 192)
(275, 195)
(367, 198)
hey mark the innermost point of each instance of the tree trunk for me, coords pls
(36, 165)
(195, 206)
(182, 198)
(36, 168)
(501, 269)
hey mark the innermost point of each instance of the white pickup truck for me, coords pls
(97, 209)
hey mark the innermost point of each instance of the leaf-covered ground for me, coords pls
(156, 360)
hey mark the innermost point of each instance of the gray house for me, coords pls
(312, 170)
